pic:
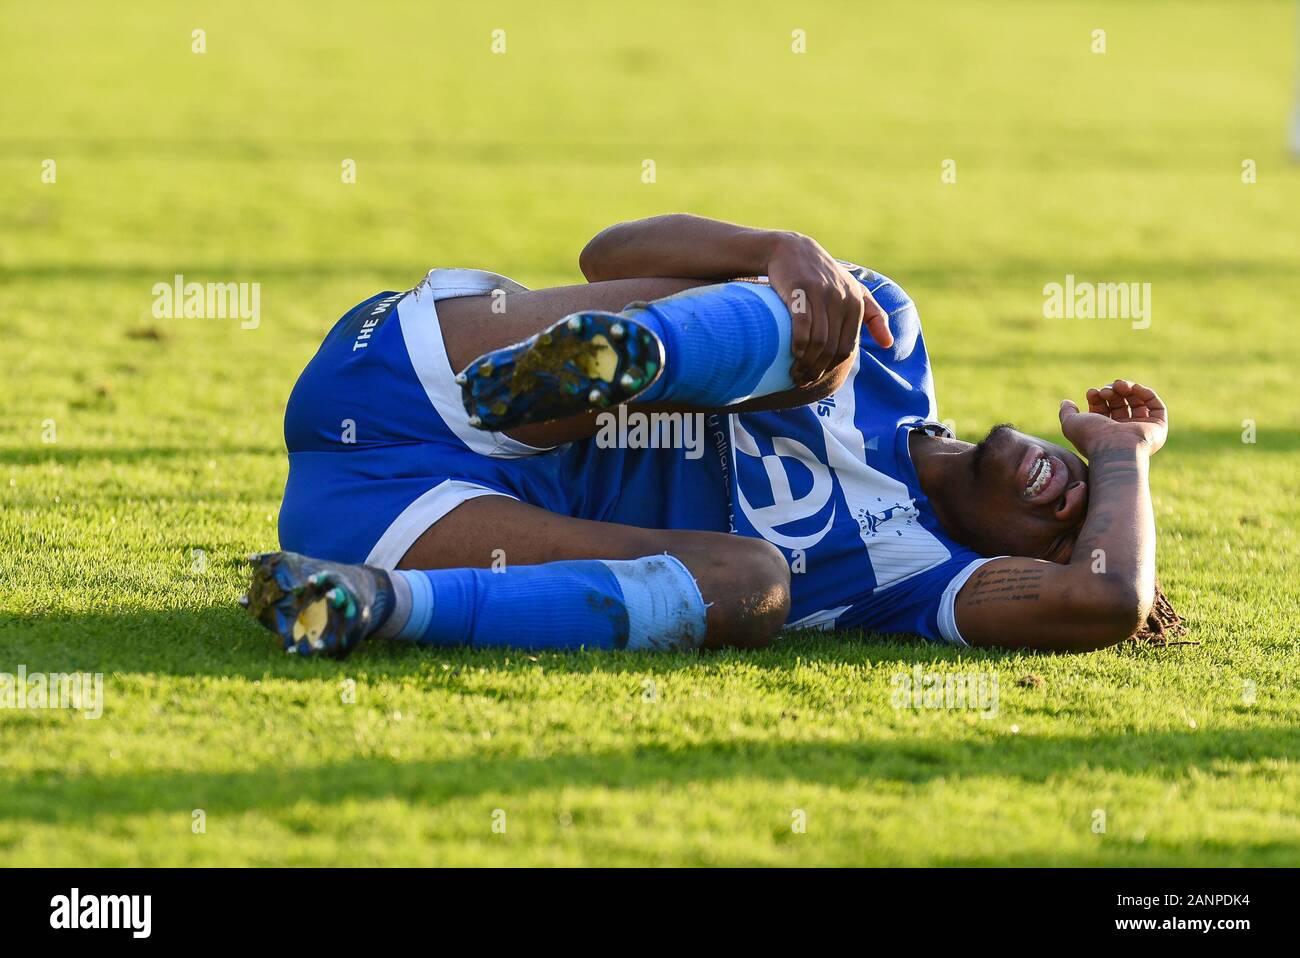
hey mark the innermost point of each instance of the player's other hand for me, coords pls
(826, 303)
(1122, 414)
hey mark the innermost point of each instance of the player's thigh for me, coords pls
(745, 582)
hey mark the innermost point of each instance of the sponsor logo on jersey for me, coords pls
(366, 318)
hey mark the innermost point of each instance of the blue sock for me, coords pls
(648, 603)
(722, 344)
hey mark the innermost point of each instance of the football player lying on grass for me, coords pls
(484, 508)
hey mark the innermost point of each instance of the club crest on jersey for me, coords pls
(906, 511)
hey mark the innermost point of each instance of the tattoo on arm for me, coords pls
(1003, 585)
(1111, 475)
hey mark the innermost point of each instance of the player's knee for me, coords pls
(756, 588)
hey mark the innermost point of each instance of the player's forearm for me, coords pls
(678, 245)
(1114, 556)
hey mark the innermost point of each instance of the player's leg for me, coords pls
(474, 325)
(703, 348)
(497, 572)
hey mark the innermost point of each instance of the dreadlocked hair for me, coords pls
(1164, 626)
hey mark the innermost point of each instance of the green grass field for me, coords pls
(141, 459)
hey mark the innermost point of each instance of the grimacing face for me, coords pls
(1033, 496)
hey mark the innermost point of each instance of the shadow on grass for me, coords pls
(223, 642)
(1166, 755)
(75, 456)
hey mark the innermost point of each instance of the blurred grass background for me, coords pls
(225, 166)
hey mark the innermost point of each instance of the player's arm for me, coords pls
(1104, 594)
(680, 245)
(827, 305)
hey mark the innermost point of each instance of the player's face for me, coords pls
(1032, 494)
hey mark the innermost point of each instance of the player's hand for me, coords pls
(827, 305)
(1119, 415)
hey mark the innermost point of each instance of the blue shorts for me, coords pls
(380, 447)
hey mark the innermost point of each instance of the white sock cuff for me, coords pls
(776, 378)
(665, 609)
(401, 607)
